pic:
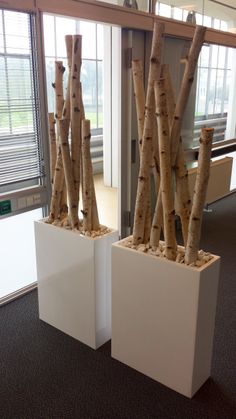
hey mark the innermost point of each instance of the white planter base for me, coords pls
(74, 282)
(163, 316)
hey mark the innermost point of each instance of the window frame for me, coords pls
(29, 195)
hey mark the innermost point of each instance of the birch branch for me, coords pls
(188, 77)
(147, 140)
(199, 195)
(75, 112)
(59, 71)
(157, 222)
(90, 212)
(166, 172)
(58, 201)
(139, 94)
(87, 175)
(58, 183)
(66, 107)
(72, 198)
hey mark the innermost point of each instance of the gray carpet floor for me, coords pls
(46, 374)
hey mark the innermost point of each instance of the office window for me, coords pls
(21, 162)
(55, 29)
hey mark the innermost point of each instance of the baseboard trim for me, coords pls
(17, 294)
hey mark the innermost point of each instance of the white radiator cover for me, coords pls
(219, 180)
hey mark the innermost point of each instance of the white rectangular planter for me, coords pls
(74, 282)
(163, 316)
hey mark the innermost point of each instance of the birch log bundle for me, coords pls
(173, 195)
(70, 163)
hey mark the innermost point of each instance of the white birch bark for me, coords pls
(82, 115)
(58, 207)
(58, 183)
(87, 176)
(72, 198)
(53, 144)
(166, 171)
(188, 77)
(75, 112)
(199, 195)
(95, 217)
(90, 212)
(182, 196)
(59, 95)
(147, 141)
(139, 94)
(66, 107)
(157, 222)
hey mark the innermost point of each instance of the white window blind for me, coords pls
(20, 150)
